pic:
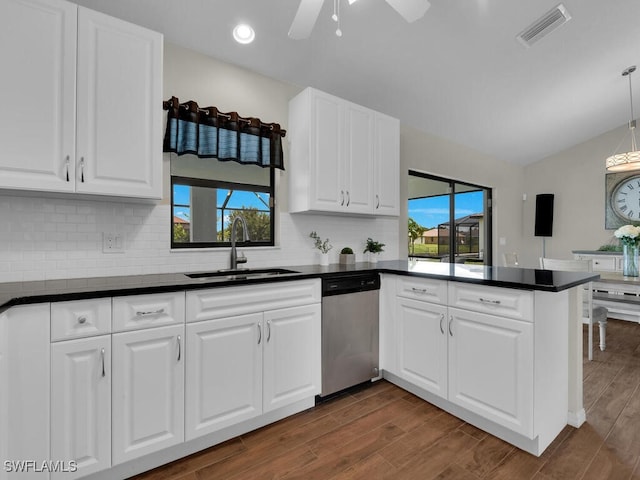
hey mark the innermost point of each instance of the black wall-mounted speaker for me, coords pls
(544, 215)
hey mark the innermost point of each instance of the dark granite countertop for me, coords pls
(20, 293)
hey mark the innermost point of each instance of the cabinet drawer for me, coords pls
(146, 311)
(231, 301)
(425, 289)
(80, 318)
(505, 302)
(602, 263)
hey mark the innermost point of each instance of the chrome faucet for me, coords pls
(235, 259)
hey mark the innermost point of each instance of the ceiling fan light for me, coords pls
(243, 33)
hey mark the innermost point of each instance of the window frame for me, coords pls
(201, 182)
(487, 211)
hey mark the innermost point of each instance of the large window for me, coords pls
(449, 221)
(206, 196)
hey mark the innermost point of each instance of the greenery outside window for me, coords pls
(203, 209)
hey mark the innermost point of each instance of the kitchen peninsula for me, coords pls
(498, 347)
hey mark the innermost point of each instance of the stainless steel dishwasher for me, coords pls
(349, 330)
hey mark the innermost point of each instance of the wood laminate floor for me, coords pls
(383, 432)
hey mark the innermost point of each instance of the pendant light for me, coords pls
(620, 162)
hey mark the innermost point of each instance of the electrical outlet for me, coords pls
(112, 242)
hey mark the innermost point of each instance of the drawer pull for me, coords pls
(153, 312)
(441, 320)
(104, 373)
(418, 290)
(179, 348)
(82, 320)
(492, 302)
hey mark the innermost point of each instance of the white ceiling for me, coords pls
(458, 72)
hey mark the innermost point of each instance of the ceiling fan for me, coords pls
(308, 12)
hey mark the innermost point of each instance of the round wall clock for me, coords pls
(622, 203)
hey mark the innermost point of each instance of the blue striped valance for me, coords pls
(208, 133)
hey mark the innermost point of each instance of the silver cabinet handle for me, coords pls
(377, 201)
(82, 320)
(348, 198)
(104, 373)
(82, 169)
(441, 320)
(259, 334)
(487, 300)
(66, 161)
(268, 330)
(450, 322)
(179, 348)
(150, 312)
(342, 196)
(418, 290)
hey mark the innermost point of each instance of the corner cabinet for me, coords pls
(344, 158)
(85, 96)
(495, 357)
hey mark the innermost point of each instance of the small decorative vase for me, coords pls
(630, 260)
(324, 259)
(373, 257)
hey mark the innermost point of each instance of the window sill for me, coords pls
(224, 249)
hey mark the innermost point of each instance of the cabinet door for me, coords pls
(292, 369)
(386, 165)
(358, 159)
(327, 174)
(81, 404)
(37, 85)
(422, 344)
(148, 391)
(119, 98)
(224, 373)
(491, 368)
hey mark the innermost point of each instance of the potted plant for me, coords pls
(322, 246)
(347, 257)
(374, 248)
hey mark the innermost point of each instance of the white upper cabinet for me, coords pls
(336, 148)
(387, 165)
(85, 96)
(119, 145)
(38, 88)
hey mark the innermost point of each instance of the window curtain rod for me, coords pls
(193, 107)
(209, 133)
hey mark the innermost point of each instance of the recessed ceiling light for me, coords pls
(243, 33)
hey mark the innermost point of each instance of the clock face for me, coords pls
(625, 199)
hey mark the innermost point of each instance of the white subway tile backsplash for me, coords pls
(56, 238)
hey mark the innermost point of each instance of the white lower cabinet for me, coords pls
(224, 373)
(81, 404)
(478, 361)
(148, 391)
(292, 350)
(491, 368)
(422, 344)
(243, 366)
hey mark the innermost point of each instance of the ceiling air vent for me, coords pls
(544, 25)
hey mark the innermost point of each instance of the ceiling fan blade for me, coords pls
(305, 18)
(411, 10)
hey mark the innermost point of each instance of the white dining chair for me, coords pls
(510, 259)
(590, 313)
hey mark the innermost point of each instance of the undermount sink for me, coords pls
(240, 274)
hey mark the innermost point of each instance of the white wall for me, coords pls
(577, 179)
